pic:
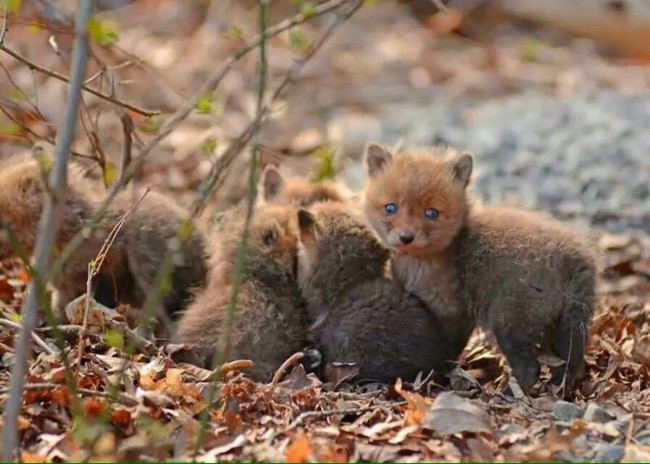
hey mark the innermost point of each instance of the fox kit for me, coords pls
(297, 191)
(270, 322)
(528, 279)
(134, 258)
(357, 313)
(276, 189)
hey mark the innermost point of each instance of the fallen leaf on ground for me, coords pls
(451, 414)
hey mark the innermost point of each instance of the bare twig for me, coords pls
(4, 22)
(238, 365)
(144, 345)
(294, 358)
(300, 420)
(46, 233)
(183, 112)
(245, 136)
(440, 5)
(215, 79)
(223, 346)
(39, 341)
(123, 398)
(95, 265)
(61, 77)
(125, 156)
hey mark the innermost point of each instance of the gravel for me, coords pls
(586, 156)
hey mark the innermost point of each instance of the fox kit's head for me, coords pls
(277, 189)
(272, 246)
(417, 203)
(337, 247)
(21, 204)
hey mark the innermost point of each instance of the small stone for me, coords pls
(596, 413)
(609, 453)
(643, 438)
(566, 411)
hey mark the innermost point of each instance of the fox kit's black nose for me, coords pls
(406, 237)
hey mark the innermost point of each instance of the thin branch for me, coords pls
(213, 81)
(126, 154)
(96, 264)
(4, 22)
(61, 77)
(39, 341)
(182, 113)
(46, 234)
(223, 345)
(335, 412)
(144, 345)
(245, 136)
(294, 358)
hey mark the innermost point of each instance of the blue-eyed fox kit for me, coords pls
(527, 278)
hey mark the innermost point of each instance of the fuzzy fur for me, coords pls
(358, 314)
(270, 323)
(134, 258)
(525, 277)
(278, 189)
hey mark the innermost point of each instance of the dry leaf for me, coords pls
(451, 414)
(299, 450)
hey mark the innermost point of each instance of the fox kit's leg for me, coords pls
(568, 343)
(518, 346)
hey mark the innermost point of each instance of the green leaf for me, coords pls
(204, 105)
(102, 32)
(152, 125)
(185, 230)
(308, 9)
(299, 41)
(110, 173)
(326, 167)
(45, 160)
(529, 49)
(114, 338)
(13, 6)
(11, 128)
(234, 33)
(17, 94)
(209, 146)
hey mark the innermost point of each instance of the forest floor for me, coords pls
(555, 124)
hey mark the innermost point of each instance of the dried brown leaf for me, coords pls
(451, 414)
(299, 450)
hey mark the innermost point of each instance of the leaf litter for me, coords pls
(147, 407)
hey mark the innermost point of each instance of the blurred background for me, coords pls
(551, 97)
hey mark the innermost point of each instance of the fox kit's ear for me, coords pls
(272, 183)
(307, 224)
(377, 157)
(462, 167)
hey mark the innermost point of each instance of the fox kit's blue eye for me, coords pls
(390, 208)
(431, 213)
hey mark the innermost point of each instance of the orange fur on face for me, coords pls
(415, 183)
